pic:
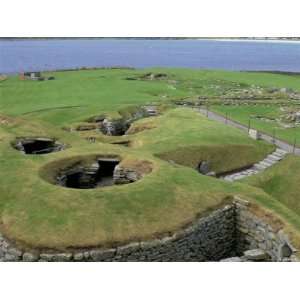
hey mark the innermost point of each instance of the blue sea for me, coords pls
(54, 54)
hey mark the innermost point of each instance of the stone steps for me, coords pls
(267, 162)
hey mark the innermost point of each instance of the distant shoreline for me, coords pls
(228, 39)
(278, 72)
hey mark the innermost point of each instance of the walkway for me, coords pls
(282, 148)
(279, 143)
(269, 161)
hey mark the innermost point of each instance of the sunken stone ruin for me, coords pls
(118, 127)
(232, 233)
(38, 145)
(100, 173)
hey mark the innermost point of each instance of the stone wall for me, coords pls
(211, 238)
(255, 233)
(225, 233)
(125, 175)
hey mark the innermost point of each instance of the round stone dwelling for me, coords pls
(95, 171)
(231, 233)
(37, 145)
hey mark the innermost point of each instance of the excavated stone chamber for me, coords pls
(39, 145)
(101, 172)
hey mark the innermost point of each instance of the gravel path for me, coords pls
(269, 161)
(280, 144)
(282, 148)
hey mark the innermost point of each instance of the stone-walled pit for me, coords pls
(117, 127)
(103, 171)
(232, 233)
(37, 145)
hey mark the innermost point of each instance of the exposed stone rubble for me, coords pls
(151, 110)
(254, 255)
(269, 161)
(116, 127)
(231, 233)
(125, 175)
(120, 126)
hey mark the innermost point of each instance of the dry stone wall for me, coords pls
(225, 233)
(255, 233)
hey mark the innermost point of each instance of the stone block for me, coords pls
(30, 257)
(128, 249)
(256, 255)
(100, 255)
(231, 259)
(15, 252)
(79, 256)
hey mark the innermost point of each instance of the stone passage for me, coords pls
(118, 127)
(258, 240)
(37, 145)
(231, 233)
(269, 161)
(100, 173)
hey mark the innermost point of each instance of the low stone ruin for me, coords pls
(118, 127)
(232, 233)
(115, 127)
(38, 145)
(125, 175)
(100, 173)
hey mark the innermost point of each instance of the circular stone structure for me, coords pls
(37, 145)
(89, 172)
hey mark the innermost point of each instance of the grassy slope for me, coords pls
(243, 113)
(41, 214)
(281, 182)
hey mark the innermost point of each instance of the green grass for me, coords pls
(281, 182)
(36, 213)
(242, 114)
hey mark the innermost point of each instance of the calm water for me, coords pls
(25, 55)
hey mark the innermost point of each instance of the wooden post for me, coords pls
(249, 124)
(294, 146)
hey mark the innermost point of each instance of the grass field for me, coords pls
(243, 114)
(36, 213)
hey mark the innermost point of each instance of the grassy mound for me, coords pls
(222, 158)
(282, 182)
(37, 213)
